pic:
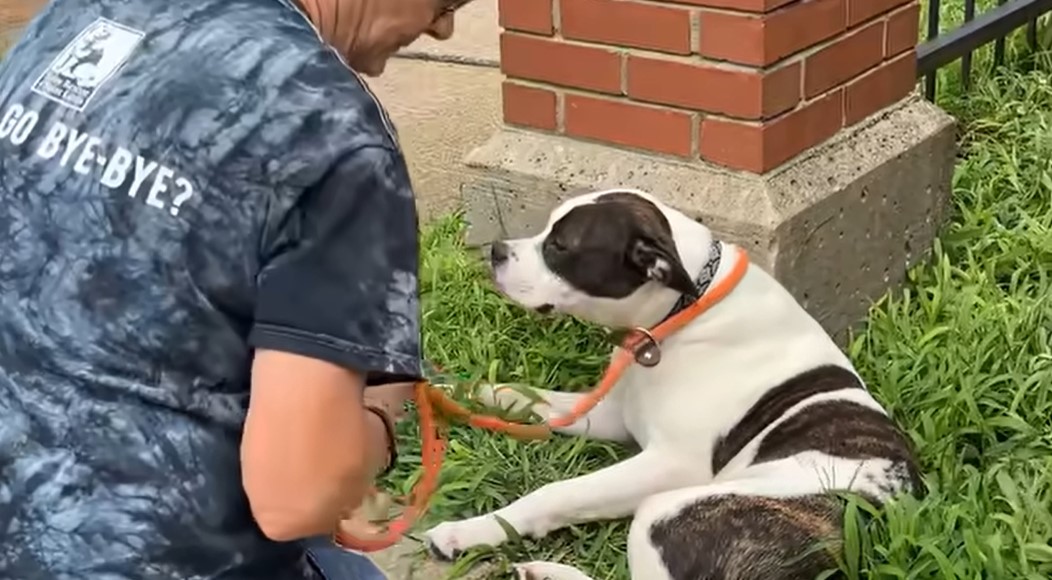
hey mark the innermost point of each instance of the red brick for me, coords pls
(804, 128)
(846, 58)
(631, 125)
(627, 23)
(528, 106)
(803, 25)
(763, 40)
(761, 148)
(758, 6)
(902, 30)
(737, 93)
(733, 37)
(527, 15)
(880, 88)
(777, 97)
(732, 144)
(560, 63)
(859, 11)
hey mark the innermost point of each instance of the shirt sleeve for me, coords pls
(339, 283)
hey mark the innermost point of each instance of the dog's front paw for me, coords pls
(504, 397)
(449, 540)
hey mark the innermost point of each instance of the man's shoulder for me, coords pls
(246, 85)
(303, 89)
(311, 77)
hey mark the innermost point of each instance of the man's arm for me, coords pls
(337, 302)
(300, 472)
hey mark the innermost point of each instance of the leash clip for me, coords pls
(645, 349)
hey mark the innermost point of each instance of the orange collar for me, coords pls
(640, 345)
(644, 346)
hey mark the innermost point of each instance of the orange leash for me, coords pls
(432, 452)
(435, 406)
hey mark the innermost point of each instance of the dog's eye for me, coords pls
(556, 245)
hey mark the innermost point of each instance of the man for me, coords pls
(199, 198)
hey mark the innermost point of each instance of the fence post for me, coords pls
(789, 126)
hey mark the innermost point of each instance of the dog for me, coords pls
(749, 423)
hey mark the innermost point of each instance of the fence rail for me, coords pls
(993, 25)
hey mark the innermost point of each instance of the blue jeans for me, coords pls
(338, 564)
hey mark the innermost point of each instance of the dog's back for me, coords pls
(772, 509)
(776, 514)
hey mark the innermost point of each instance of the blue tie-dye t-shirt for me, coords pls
(181, 182)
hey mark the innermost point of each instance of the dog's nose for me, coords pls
(498, 253)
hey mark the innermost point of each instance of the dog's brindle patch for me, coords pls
(737, 537)
(741, 537)
(775, 403)
(838, 428)
(611, 247)
(845, 429)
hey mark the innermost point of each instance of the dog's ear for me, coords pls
(660, 262)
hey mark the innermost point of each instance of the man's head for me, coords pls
(609, 257)
(368, 32)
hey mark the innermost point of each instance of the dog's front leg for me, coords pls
(610, 493)
(604, 422)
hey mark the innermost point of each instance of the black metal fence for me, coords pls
(994, 25)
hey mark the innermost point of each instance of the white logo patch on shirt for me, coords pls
(93, 58)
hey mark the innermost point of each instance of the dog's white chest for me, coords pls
(664, 408)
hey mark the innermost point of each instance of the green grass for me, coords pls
(961, 357)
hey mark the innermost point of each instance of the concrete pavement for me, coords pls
(442, 111)
(443, 108)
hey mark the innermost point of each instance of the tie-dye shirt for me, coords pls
(181, 181)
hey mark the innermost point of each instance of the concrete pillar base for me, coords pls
(838, 226)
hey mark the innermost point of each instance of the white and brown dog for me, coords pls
(751, 418)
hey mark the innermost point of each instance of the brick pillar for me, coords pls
(745, 84)
(789, 127)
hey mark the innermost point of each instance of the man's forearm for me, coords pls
(376, 445)
(377, 458)
(308, 454)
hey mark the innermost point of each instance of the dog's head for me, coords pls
(608, 257)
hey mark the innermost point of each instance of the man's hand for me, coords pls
(390, 399)
(386, 406)
(366, 519)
